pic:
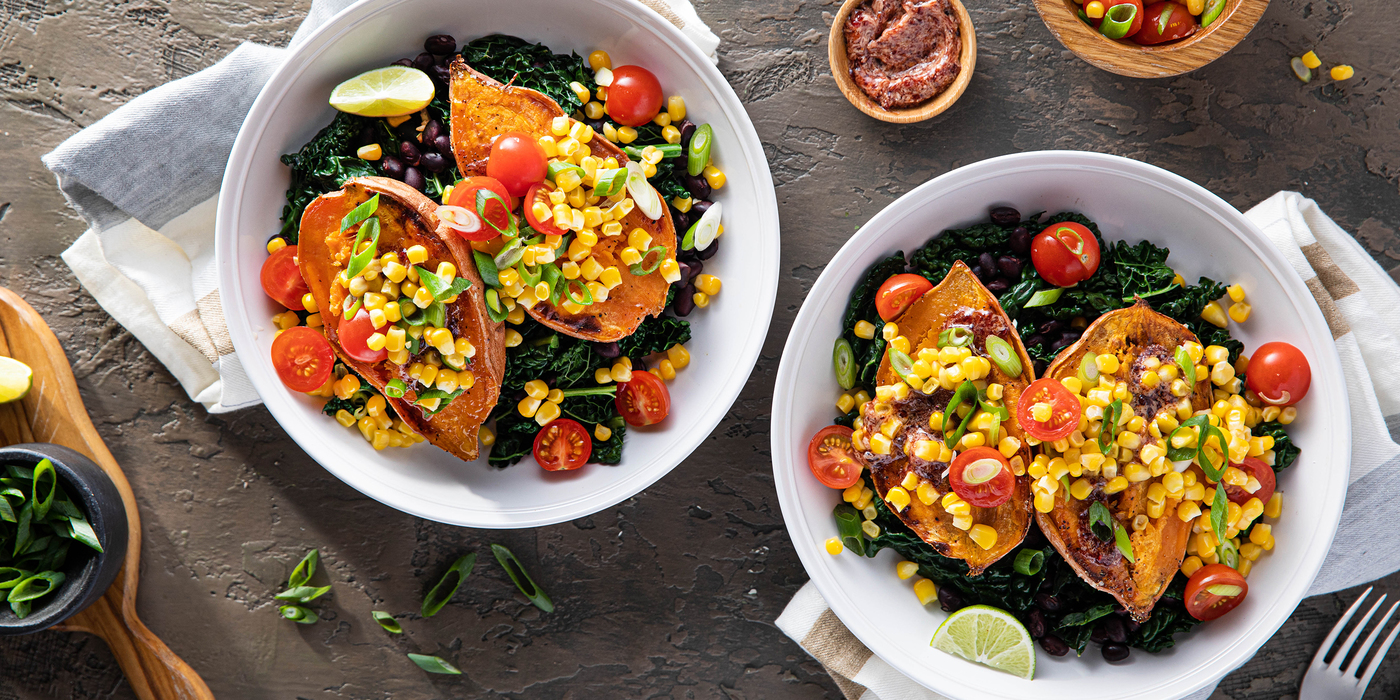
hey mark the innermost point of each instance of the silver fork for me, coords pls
(1337, 682)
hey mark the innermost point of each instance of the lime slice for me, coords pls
(988, 636)
(15, 379)
(384, 92)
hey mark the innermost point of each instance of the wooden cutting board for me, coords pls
(53, 412)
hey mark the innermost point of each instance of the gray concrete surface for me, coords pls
(671, 594)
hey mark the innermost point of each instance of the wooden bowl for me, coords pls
(934, 106)
(1161, 61)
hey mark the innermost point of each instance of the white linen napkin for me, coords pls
(146, 179)
(1353, 293)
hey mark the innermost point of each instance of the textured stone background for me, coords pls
(671, 594)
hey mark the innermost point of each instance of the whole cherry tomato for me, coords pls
(1279, 374)
(1063, 405)
(281, 279)
(563, 445)
(497, 214)
(1262, 472)
(643, 400)
(1165, 21)
(982, 477)
(353, 336)
(303, 358)
(898, 292)
(517, 161)
(1065, 254)
(634, 97)
(1214, 590)
(832, 459)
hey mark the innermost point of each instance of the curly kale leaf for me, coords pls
(510, 59)
(861, 307)
(325, 163)
(1285, 452)
(936, 257)
(655, 334)
(515, 437)
(558, 359)
(337, 404)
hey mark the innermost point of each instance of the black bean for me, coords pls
(685, 274)
(1005, 216)
(1133, 626)
(1039, 366)
(405, 62)
(708, 252)
(1098, 636)
(696, 268)
(1021, 241)
(1051, 326)
(413, 177)
(367, 136)
(699, 189)
(997, 286)
(682, 254)
(440, 44)
(1072, 334)
(684, 302)
(699, 207)
(950, 600)
(424, 61)
(984, 274)
(434, 162)
(443, 144)
(391, 167)
(987, 263)
(1035, 340)
(1009, 266)
(1061, 344)
(408, 129)
(432, 131)
(1047, 602)
(1113, 627)
(1113, 653)
(1118, 609)
(1053, 645)
(607, 350)
(687, 129)
(680, 221)
(1035, 623)
(408, 150)
(441, 74)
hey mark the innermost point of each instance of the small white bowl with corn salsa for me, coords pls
(1031, 453)
(539, 271)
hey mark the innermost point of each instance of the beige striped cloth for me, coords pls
(1362, 306)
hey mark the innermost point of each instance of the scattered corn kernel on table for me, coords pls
(672, 593)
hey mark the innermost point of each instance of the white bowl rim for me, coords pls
(834, 279)
(277, 399)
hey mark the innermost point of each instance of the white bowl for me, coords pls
(423, 480)
(1132, 201)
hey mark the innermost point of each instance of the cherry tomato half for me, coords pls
(1064, 410)
(643, 400)
(537, 193)
(303, 358)
(281, 279)
(1065, 253)
(898, 292)
(831, 458)
(1214, 590)
(518, 161)
(634, 98)
(1137, 19)
(1165, 21)
(563, 445)
(464, 195)
(353, 336)
(1256, 468)
(982, 477)
(1279, 374)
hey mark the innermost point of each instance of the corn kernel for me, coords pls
(1213, 314)
(714, 177)
(897, 498)
(984, 535)
(833, 544)
(1116, 485)
(870, 529)
(675, 108)
(275, 245)
(708, 284)
(1310, 60)
(701, 299)
(926, 591)
(547, 413)
(1342, 72)
(1191, 565)
(611, 277)
(528, 406)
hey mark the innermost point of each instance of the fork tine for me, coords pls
(1321, 655)
(1355, 664)
(1380, 655)
(1342, 651)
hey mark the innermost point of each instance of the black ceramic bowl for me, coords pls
(88, 573)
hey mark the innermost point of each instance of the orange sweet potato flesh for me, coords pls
(482, 109)
(1131, 333)
(407, 218)
(959, 300)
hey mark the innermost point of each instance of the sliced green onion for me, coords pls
(698, 154)
(434, 315)
(553, 277)
(486, 267)
(901, 363)
(440, 288)
(559, 167)
(369, 229)
(843, 359)
(704, 231)
(585, 300)
(447, 586)
(11, 576)
(1164, 19)
(79, 529)
(45, 479)
(395, 388)
(1125, 543)
(530, 275)
(848, 523)
(1109, 429)
(1089, 368)
(302, 594)
(509, 255)
(1118, 20)
(484, 196)
(966, 394)
(494, 308)
(667, 150)
(1219, 504)
(387, 621)
(1301, 70)
(982, 470)
(955, 337)
(1029, 562)
(1213, 10)
(660, 251)
(360, 213)
(433, 664)
(1188, 367)
(1228, 554)
(36, 586)
(298, 614)
(522, 580)
(1044, 297)
(1224, 590)
(643, 194)
(610, 181)
(306, 568)
(354, 309)
(1004, 356)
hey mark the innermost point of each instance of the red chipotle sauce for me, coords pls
(903, 52)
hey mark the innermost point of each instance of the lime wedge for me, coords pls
(384, 92)
(15, 379)
(988, 636)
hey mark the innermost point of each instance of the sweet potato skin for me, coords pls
(482, 109)
(1159, 549)
(959, 300)
(406, 218)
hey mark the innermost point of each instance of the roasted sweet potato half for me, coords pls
(1140, 339)
(959, 301)
(407, 218)
(483, 109)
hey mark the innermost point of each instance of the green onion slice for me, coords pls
(966, 394)
(704, 231)
(36, 586)
(1029, 562)
(360, 213)
(957, 337)
(1089, 368)
(395, 388)
(1198, 453)
(516, 571)
(585, 300)
(610, 181)
(660, 251)
(698, 154)
(483, 196)
(559, 167)
(1229, 554)
(1224, 590)
(80, 530)
(530, 275)
(1109, 430)
(667, 150)
(554, 278)
(1164, 19)
(1188, 367)
(1044, 297)
(1219, 505)
(1301, 70)
(361, 259)
(1212, 12)
(1125, 543)
(982, 471)
(387, 621)
(486, 267)
(440, 288)
(354, 309)
(848, 522)
(494, 308)
(45, 483)
(434, 315)
(843, 360)
(305, 569)
(302, 594)
(902, 364)
(510, 254)
(1004, 356)
(11, 576)
(298, 614)
(433, 664)
(643, 194)
(1118, 20)
(448, 585)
